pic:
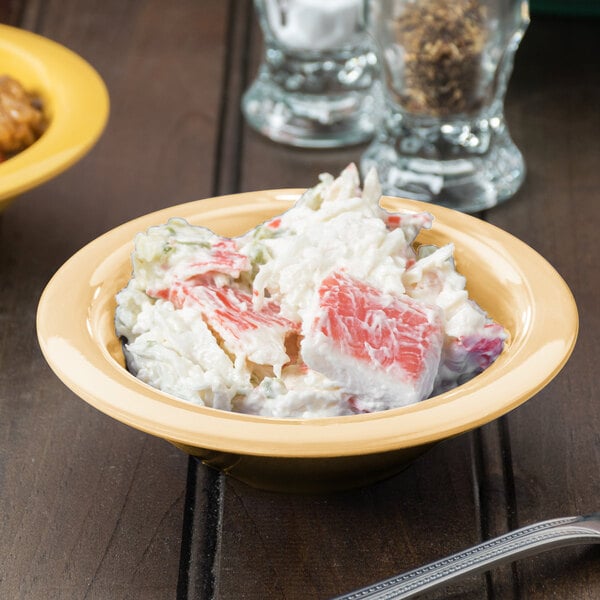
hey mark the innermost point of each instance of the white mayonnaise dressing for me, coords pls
(238, 324)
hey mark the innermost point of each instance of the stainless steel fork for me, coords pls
(506, 548)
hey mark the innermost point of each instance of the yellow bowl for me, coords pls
(509, 279)
(75, 103)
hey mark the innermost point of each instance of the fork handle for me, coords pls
(506, 548)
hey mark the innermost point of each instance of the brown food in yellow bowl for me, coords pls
(22, 119)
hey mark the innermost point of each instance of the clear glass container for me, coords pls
(444, 138)
(319, 82)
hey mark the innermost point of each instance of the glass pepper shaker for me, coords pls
(444, 138)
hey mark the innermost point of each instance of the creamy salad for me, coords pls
(322, 311)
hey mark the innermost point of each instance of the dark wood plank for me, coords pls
(88, 507)
(552, 108)
(496, 500)
(288, 546)
(10, 11)
(363, 542)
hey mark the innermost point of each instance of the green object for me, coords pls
(580, 8)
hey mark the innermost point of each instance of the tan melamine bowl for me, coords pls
(510, 280)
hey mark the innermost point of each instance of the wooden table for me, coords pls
(90, 508)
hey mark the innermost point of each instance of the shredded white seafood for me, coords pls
(308, 314)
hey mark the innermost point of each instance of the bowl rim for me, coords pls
(79, 106)
(71, 347)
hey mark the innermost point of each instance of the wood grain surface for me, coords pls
(92, 509)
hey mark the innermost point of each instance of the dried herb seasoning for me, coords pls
(443, 43)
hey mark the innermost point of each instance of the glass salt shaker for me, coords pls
(319, 82)
(444, 138)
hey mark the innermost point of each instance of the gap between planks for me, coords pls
(204, 487)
